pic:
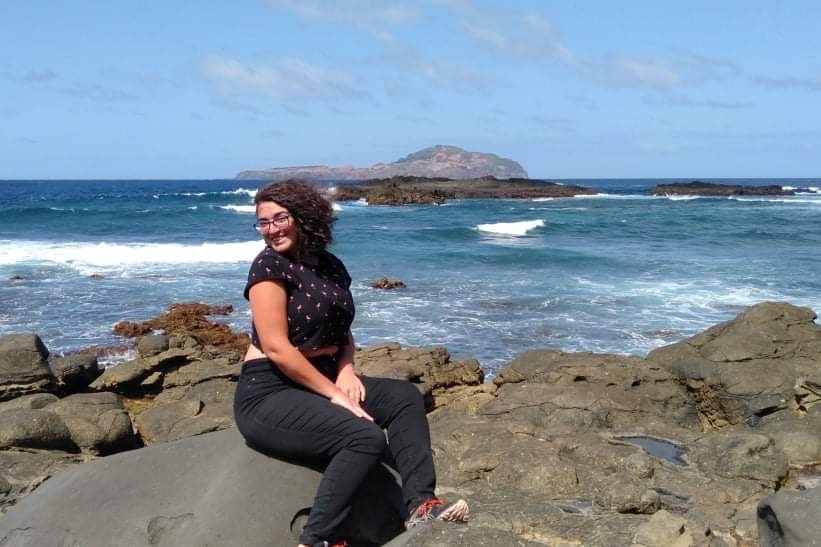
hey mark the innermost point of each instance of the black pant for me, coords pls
(284, 419)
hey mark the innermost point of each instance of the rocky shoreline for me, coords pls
(678, 448)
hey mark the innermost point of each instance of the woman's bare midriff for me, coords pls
(256, 353)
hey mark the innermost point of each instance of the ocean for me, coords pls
(619, 272)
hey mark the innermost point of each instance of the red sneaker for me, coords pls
(439, 509)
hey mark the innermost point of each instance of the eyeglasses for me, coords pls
(280, 220)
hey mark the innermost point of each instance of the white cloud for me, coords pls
(368, 15)
(287, 79)
(634, 71)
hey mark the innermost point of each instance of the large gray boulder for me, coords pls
(206, 490)
(790, 519)
(23, 366)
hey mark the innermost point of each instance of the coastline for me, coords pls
(624, 443)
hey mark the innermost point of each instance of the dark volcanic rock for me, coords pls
(698, 188)
(206, 490)
(436, 161)
(409, 190)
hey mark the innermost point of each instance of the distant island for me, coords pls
(440, 161)
(698, 188)
(410, 190)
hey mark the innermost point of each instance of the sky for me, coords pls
(185, 89)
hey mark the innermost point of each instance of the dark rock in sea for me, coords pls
(435, 161)
(16, 278)
(75, 371)
(23, 366)
(97, 276)
(385, 283)
(189, 320)
(698, 188)
(206, 490)
(790, 519)
(412, 190)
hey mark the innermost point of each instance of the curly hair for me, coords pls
(313, 213)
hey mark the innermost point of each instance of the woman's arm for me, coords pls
(346, 378)
(268, 306)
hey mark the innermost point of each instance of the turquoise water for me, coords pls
(620, 272)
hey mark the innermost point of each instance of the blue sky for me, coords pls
(204, 89)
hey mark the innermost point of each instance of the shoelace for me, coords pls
(423, 511)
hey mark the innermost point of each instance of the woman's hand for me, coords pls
(341, 399)
(350, 384)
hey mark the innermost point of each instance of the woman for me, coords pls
(298, 396)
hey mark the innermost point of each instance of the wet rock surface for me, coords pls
(559, 449)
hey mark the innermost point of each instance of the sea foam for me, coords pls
(248, 192)
(83, 256)
(239, 208)
(511, 228)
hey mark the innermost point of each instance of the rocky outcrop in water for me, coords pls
(435, 191)
(436, 161)
(698, 188)
(559, 449)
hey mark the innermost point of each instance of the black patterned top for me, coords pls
(320, 306)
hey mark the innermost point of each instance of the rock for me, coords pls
(34, 401)
(199, 371)
(97, 422)
(414, 190)
(663, 530)
(34, 429)
(431, 369)
(16, 278)
(741, 456)
(75, 371)
(23, 471)
(125, 375)
(385, 283)
(748, 368)
(189, 410)
(790, 519)
(206, 490)
(698, 188)
(189, 320)
(152, 344)
(23, 366)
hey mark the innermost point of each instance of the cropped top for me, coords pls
(320, 306)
